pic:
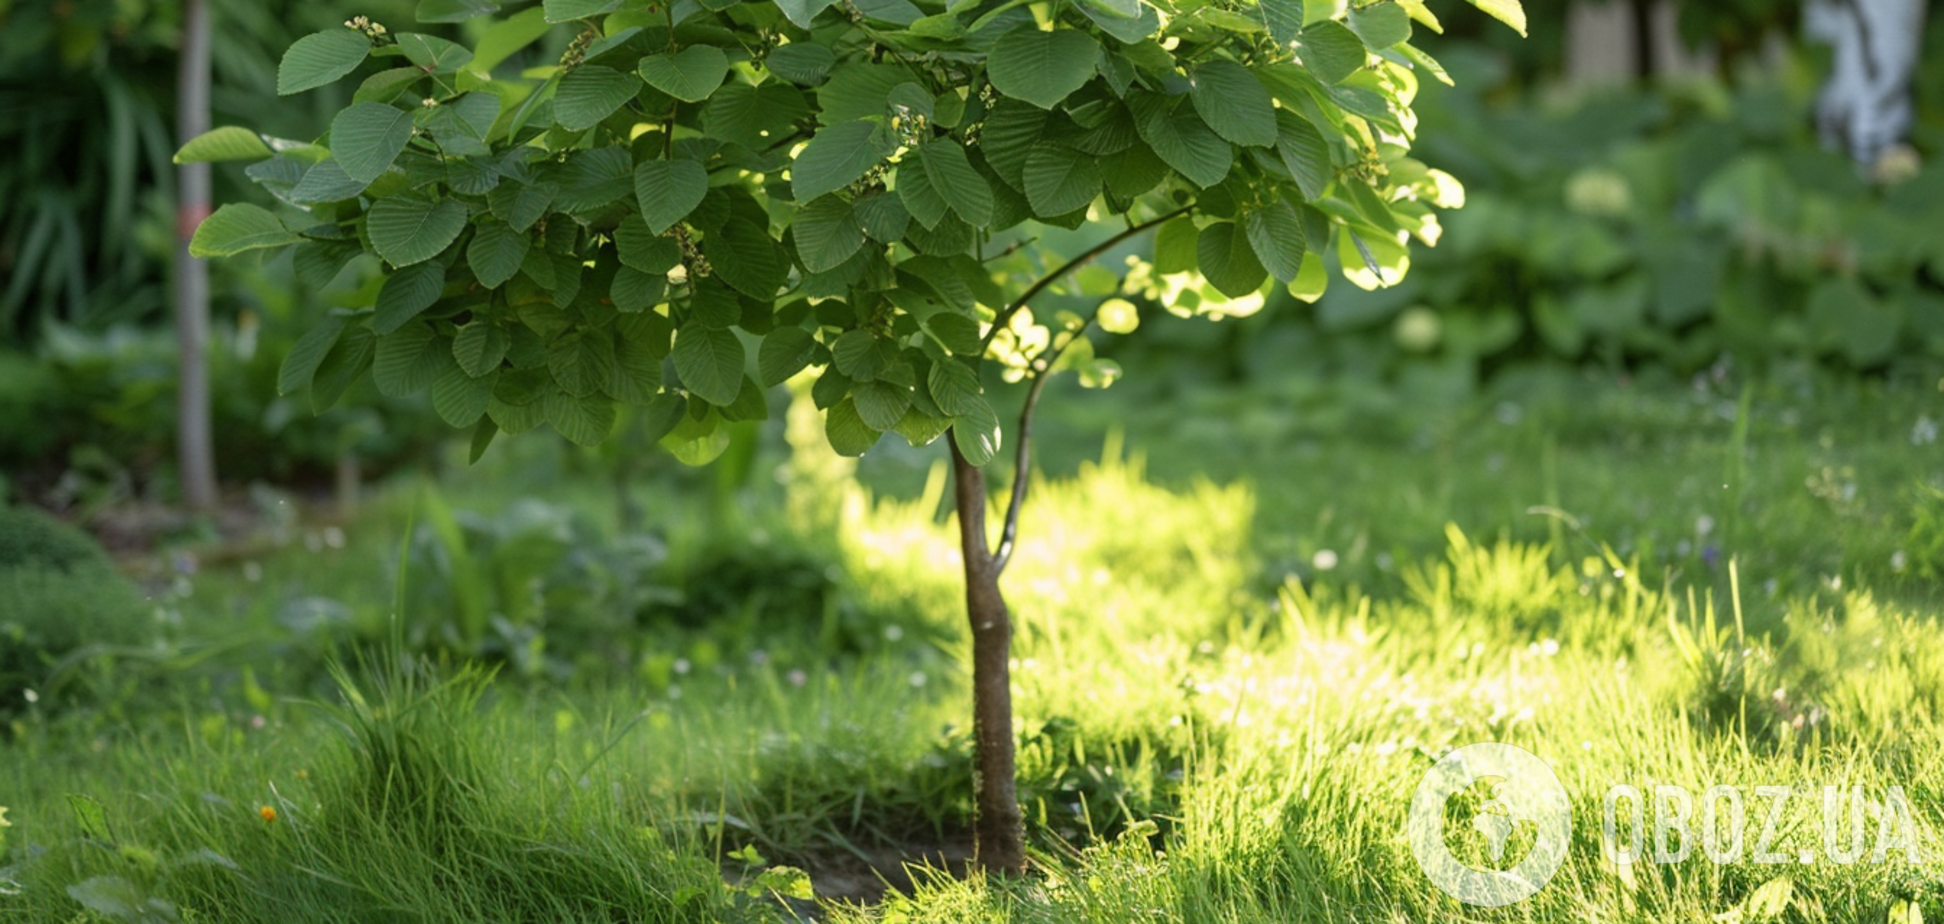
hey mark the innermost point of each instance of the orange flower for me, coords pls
(268, 813)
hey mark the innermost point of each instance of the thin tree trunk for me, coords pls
(1865, 106)
(195, 449)
(998, 828)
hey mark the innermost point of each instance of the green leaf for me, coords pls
(1042, 68)
(325, 182)
(1182, 139)
(1381, 25)
(406, 230)
(801, 12)
(504, 38)
(747, 258)
(838, 156)
(342, 366)
(957, 333)
(955, 388)
(367, 137)
(784, 353)
(1284, 19)
(689, 75)
(432, 54)
(668, 191)
(591, 93)
(644, 250)
(1059, 179)
(1233, 103)
(1331, 51)
(582, 361)
(951, 174)
(855, 354)
(583, 421)
(846, 430)
(1117, 316)
(710, 363)
(1275, 233)
(1374, 263)
(883, 216)
(300, 364)
(1228, 261)
(637, 376)
(461, 399)
(1770, 900)
(634, 291)
(321, 58)
(409, 359)
(802, 63)
(920, 199)
(520, 205)
(570, 10)
(479, 347)
(496, 253)
(756, 117)
(881, 404)
(455, 10)
(238, 227)
(220, 144)
(976, 431)
(827, 234)
(1505, 11)
(1304, 153)
(1174, 246)
(406, 294)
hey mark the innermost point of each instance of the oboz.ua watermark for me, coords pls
(1490, 824)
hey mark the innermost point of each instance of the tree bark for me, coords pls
(999, 830)
(195, 445)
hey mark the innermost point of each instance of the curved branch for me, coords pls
(1023, 456)
(1004, 317)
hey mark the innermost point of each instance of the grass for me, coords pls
(1233, 667)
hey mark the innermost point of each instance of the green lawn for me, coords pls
(1244, 636)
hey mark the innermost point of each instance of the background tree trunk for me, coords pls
(195, 448)
(998, 828)
(1865, 107)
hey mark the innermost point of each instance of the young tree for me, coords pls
(703, 198)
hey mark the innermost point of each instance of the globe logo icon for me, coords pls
(1515, 812)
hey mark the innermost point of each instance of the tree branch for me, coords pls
(1004, 317)
(1023, 456)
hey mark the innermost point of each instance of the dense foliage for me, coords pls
(864, 189)
(62, 604)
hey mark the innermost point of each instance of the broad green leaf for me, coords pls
(238, 227)
(957, 333)
(1182, 139)
(321, 58)
(1228, 261)
(756, 117)
(1284, 19)
(710, 363)
(855, 353)
(1314, 278)
(455, 10)
(689, 75)
(591, 93)
(1304, 153)
(593, 179)
(1331, 51)
(846, 430)
(508, 36)
(1381, 25)
(570, 10)
(342, 367)
(325, 182)
(1372, 262)
(461, 399)
(386, 85)
(496, 253)
(1174, 246)
(838, 156)
(1059, 179)
(668, 191)
(432, 54)
(220, 144)
(300, 364)
(881, 404)
(1042, 68)
(520, 205)
(405, 231)
(1117, 316)
(921, 429)
(955, 388)
(1505, 11)
(801, 12)
(747, 258)
(1010, 131)
(583, 421)
(406, 294)
(921, 200)
(1233, 103)
(367, 137)
(582, 361)
(637, 376)
(634, 291)
(784, 353)
(805, 64)
(859, 91)
(644, 250)
(976, 431)
(883, 216)
(408, 360)
(479, 347)
(951, 174)
(1275, 233)
(827, 234)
